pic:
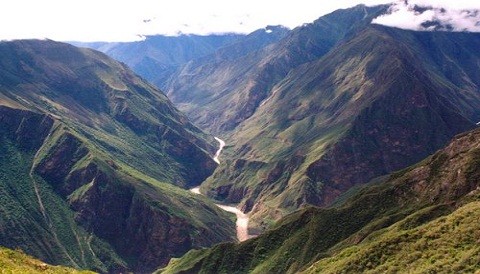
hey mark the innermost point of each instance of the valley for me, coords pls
(310, 113)
(338, 146)
(242, 218)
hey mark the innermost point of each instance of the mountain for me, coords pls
(93, 161)
(221, 91)
(422, 218)
(379, 100)
(158, 56)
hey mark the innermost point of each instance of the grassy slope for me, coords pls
(54, 237)
(14, 261)
(445, 245)
(408, 199)
(237, 86)
(360, 103)
(97, 142)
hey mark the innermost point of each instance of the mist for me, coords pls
(461, 16)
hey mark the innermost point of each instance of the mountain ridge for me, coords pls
(414, 200)
(383, 108)
(93, 162)
(238, 87)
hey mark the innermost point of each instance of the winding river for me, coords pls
(242, 218)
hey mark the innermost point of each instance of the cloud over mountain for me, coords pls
(433, 15)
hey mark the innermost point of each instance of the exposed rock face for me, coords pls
(387, 136)
(378, 101)
(27, 128)
(415, 201)
(95, 184)
(118, 209)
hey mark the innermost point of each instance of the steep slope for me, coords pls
(104, 100)
(422, 249)
(14, 261)
(424, 206)
(89, 156)
(157, 56)
(379, 101)
(219, 93)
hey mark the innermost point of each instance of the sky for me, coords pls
(130, 20)
(458, 15)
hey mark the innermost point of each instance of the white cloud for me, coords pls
(438, 15)
(126, 20)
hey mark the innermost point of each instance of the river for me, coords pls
(242, 218)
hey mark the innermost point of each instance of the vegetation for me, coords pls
(15, 261)
(91, 158)
(412, 220)
(445, 245)
(95, 162)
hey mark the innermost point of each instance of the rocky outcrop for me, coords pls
(419, 195)
(93, 159)
(28, 128)
(387, 136)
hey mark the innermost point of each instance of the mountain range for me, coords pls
(423, 219)
(93, 162)
(330, 105)
(157, 57)
(352, 147)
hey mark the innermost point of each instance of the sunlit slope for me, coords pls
(376, 103)
(424, 217)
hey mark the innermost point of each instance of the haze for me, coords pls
(126, 20)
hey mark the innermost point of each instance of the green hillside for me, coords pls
(91, 157)
(448, 244)
(434, 199)
(15, 261)
(356, 113)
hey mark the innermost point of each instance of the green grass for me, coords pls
(392, 212)
(15, 261)
(54, 237)
(448, 244)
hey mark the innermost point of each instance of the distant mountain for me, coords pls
(423, 218)
(92, 159)
(379, 100)
(157, 57)
(313, 115)
(221, 91)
